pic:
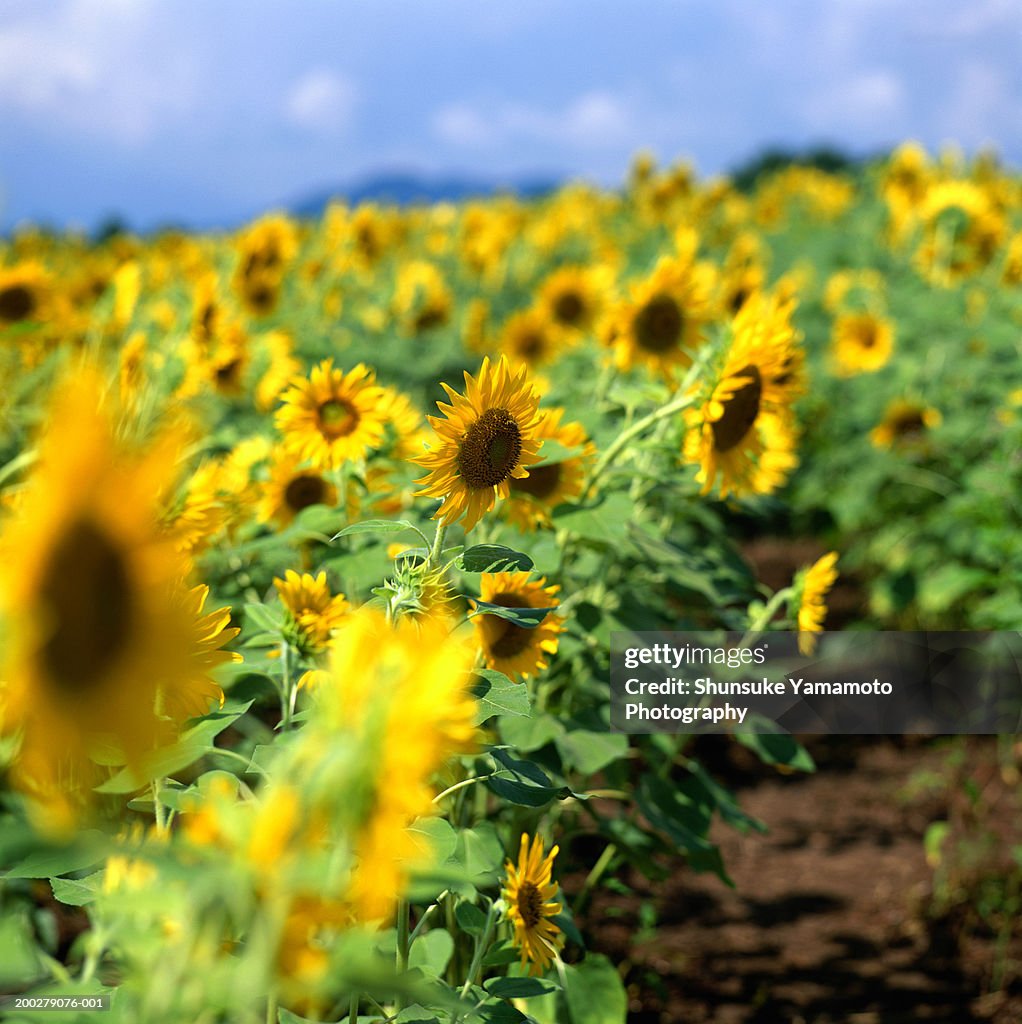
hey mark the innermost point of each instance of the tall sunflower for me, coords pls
(743, 431)
(530, 896)
(488, 437)
(515, 650)
(332, 417)
(662, 321)
(104, 639)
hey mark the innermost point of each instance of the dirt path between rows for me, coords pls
(829, 921)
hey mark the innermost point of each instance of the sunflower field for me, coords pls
(314, 535)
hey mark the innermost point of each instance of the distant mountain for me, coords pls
(404, 189)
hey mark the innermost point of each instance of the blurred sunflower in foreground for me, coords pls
(105, 641)
(488, 437)
(530, 896)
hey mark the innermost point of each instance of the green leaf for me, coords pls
(590, 751)
(470, 918)
(89, 847)
(527, 618)
(76, 892)
(480, 852)
(778, 748)
(594, 992)
(529, 788)
(553, 452)
(431, 952)
(499, 695)
(434, 837)
(265, 618)
(518, 988)
(375, 526)
(192, 745)
(493, 558)
(528, 734)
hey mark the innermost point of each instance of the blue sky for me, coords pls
(208, 111)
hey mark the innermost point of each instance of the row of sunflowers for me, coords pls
(304, 702)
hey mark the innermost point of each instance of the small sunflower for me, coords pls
(292, 487)
(517, 651)
(551, 484)
(863, 342)
(488, 437)
(530, 896)
(905, 423)
(662, 322)
(332, 417)
(744, 430)
(26, 293)
(573, 297)
(816, 583)
(531, 339)
(313, 609)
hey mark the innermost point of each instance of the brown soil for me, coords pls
(833, 917)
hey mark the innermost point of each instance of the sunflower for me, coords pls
(26, 295)
(104, 640)
(517, 651)
(313, 610)
(573, 297)
(530, 338)
(265, 249)
(662, 321)
(530, 896)
(332, 417)
(282, 367)
(862, 342)
(813, 588)
(551, 484)
(905, 423)
(292, 487)
(488, 437)
(422, 299)
(743, 431)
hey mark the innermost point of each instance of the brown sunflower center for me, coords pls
(658, 325)
(740, 411)
(88, 595)
(530, 904)
(541, 482)
(737, 299)
(908, 423)
(337, 418)
(511, 640)
(304, 491)
(227, 373)
(867, 335)
(530, 344)
(261, 296)
(429, 317)
(569, 308)
(16, 303)
(490, 449)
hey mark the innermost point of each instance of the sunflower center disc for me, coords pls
(740, 411)
(658, 325)
(337, 418)
(490, 449)
(541, 482)
(530, 904)
(304, 491)
(909, 423)
(512, 640)
(228, 373)
(531, 345)
(867, 337)
(568, 308)
(87, 595)
(16, 303)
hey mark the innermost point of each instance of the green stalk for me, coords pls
(403, 941)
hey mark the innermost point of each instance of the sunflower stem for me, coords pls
(403, 942)
(482, 945)
(161, 821)
(763, 619)
(682, 399)
(593, 877)
(353, 1008)
(271, 1008)
(288, 690)
(438, 546)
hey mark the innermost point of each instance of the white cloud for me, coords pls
(321, 102)
(92, 66)
(594, 120)
(871, 100)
